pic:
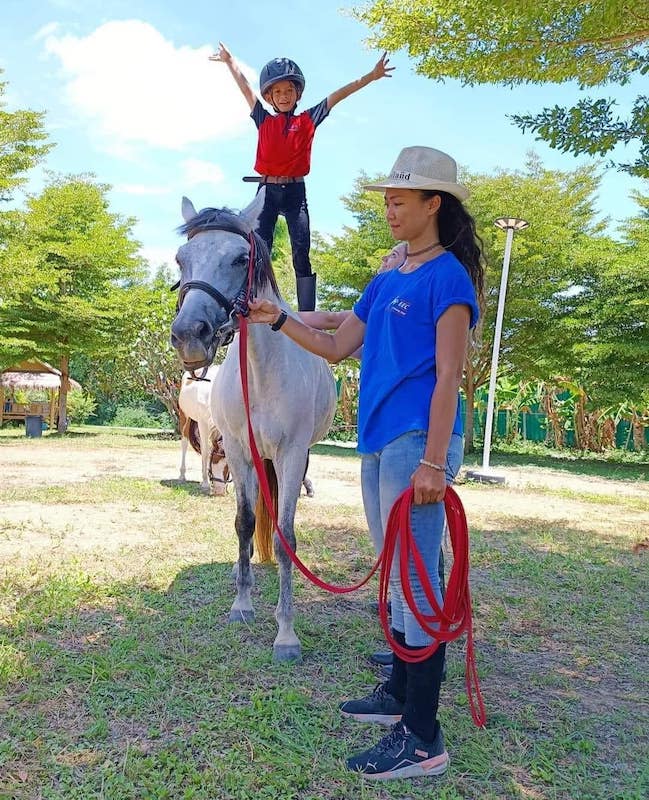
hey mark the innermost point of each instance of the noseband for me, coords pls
(238, 306)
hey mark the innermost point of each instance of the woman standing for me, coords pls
(413, 323)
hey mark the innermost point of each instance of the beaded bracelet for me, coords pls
(438, 467)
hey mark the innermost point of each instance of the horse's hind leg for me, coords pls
(286, 646)
(242, 610)
(307, 482)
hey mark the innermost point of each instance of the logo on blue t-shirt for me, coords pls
(399, 306)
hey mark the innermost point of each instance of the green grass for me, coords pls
(120, 679)
(614, 464)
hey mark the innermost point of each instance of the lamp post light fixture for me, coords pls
(486, 474)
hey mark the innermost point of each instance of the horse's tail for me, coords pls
(263, 521)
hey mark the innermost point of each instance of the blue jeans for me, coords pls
(384, 476)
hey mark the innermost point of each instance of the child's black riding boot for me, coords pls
(306, 293)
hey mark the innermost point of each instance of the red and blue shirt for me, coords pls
(284, 142)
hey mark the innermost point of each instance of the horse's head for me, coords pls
(222, 263)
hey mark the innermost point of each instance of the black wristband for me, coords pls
(283, 316)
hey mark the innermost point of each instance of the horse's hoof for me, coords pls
(287, 653)
(242, 615)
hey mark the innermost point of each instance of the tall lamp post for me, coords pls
(486, 474)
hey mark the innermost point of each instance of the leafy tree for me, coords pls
(346, 263)
(74, 259)
(523, 41)
(282, 260)
(610, 311)
(145, 359)
(545, 260)
(143, 362)
(21, 147)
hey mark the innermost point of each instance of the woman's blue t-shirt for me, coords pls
(400, 311)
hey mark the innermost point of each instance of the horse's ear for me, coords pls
(188, 210)
(250, 215)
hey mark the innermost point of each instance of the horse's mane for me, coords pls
(228, 220)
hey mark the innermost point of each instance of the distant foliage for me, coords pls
(81, 406)
(139, 416)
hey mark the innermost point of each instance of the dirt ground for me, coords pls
(543, 494)
(25, 463)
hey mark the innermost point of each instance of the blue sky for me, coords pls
(130, 96)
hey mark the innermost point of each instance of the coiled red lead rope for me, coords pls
(449, 621)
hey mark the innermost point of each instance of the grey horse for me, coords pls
(292, 392)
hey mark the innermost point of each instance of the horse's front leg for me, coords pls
(286, 646)
(183, 455)
(242, 610)
(206, 454)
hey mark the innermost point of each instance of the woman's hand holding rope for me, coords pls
(429, 485)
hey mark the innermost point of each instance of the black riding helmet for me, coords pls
(281, 69)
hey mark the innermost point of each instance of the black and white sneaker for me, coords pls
(379, 706)
(402, 754)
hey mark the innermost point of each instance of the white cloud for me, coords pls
(46, 31)
(140, 189)
(133, 86)
(156, 256)
(196, 172)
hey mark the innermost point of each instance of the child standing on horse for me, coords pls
(284, 152)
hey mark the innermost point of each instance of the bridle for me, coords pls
(238, 306)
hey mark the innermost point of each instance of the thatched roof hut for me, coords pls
(28, 375)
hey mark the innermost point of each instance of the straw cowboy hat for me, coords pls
(423, 168)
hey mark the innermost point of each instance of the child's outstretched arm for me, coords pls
(381, 70)
(226, 57)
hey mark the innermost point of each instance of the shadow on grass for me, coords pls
(162, 436)
(73, 435)
(188, 487)
(576, 465)
(562, 461)
(156, 682)
(338, 450)
(12, 435)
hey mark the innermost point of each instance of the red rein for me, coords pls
(448, 622)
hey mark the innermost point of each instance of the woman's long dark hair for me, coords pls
(457, 233)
